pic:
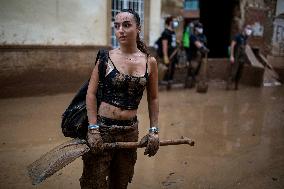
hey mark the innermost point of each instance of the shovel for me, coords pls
(62, 155)
(202, 85)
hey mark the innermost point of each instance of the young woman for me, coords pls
(129, 71)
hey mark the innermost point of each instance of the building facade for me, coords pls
(64, 36)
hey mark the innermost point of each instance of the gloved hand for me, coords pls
(204, 50)
(95, 140)
(152, 143)
(232, 60)
(166, 60)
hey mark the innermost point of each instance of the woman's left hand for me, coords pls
(152, 143)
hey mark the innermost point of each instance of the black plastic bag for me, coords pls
(75, 120)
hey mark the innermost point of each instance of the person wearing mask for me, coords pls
(197, 50)
(238, 56)
(169, 48)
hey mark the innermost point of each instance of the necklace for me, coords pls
(129, 57)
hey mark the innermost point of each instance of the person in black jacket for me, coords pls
(238, 56)
(197, 51)
(169, 47)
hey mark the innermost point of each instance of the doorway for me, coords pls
(216, 17)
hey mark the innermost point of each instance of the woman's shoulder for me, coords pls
(152, 60)
(113, 51)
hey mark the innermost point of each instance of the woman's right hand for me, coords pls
(95, 140)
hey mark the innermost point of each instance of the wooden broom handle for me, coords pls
(117, 145)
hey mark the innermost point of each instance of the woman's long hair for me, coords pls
(140, 44)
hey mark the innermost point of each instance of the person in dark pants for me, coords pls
(169, 47)
(129, 71)
(197, 50)
(238, 57)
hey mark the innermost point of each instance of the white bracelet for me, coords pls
(154, 130)
(93, 126)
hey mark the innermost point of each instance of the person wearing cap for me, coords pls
(238, 56)
(197, 50)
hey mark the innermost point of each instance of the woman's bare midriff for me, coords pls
(110, 111)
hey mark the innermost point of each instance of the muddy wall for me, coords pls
(32, 69)
(59, 35)
(259, 14)
(17, 60)
(49, 41)
(155, 21)
(279, 7)
(51, 46)
(278, 34)
(277, 56)
(54, 22)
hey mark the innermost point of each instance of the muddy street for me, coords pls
(239, 140)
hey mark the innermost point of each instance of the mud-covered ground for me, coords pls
(239, 140)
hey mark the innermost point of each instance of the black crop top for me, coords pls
(124, 91)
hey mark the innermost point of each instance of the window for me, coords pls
(191, 4)
(117, 5)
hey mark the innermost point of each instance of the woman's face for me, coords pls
(126, 29)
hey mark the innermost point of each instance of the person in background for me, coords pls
(197, 49)
(238, 57)
(186, 40)
(169, 48)
(129, 70)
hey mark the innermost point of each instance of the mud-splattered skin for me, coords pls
(129, 71)
(126, 29)
(130, 75)
(130, 61)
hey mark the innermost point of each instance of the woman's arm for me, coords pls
(94, 138)
(91, 99)
(151, 140)
(152, 93)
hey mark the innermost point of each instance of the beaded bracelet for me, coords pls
(154, 130)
